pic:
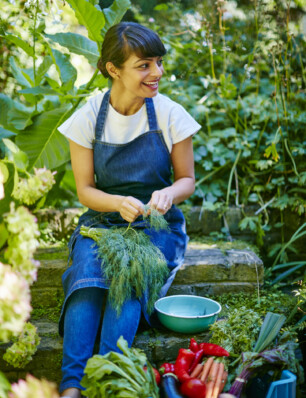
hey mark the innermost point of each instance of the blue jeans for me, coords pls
(81, 325)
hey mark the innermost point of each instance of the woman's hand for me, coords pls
(161, 200)
(130, 208)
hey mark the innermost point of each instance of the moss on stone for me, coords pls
(211, 243)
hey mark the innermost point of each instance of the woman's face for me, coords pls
(140, 76)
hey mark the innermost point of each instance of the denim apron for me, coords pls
(136, 169)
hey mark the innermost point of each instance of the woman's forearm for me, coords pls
(181, 189)
(97, 200)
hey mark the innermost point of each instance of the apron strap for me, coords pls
(151, 115)
(100, 125)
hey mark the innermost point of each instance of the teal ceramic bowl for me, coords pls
(186, 313)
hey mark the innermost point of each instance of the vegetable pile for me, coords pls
(131, 261)
(198, 372)
(127, 375)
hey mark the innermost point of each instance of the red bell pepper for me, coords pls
(167, 368)
(197, 358)
(193, 388)
(183, 363)
(193, 345)
(213, 349)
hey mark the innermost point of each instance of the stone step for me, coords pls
(159, 345)
(205, 271)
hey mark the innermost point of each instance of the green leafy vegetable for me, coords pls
(130, 261)
(237, 332)
(120, 375)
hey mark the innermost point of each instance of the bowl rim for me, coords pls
(187, 316)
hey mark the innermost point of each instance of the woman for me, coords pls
(124, 144)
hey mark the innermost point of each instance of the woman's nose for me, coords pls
(157, 70)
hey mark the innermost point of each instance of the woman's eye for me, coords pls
(160, 62)
(143, 66)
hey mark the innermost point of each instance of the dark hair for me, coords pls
(125, 38)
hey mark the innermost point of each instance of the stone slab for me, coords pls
(160, 345)
(204, 271)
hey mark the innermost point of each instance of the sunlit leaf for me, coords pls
(43, 69)
(43, 144)
(77, 44)
(6, 133)
(114, 13)
(90, 17)
(18, 74)
(20, 43)
(67, 71)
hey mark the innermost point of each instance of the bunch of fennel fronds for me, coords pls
(130, 261)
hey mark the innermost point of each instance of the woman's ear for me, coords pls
(112, 70)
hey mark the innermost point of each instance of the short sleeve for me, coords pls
(80, 127)
(182, 124)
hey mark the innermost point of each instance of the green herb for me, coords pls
(130, 261)
(238, 331)
(120, 375)
(157, 221)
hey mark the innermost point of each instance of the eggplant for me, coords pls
(169, 386)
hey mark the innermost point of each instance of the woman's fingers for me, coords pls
(161, 201)
(130, 208)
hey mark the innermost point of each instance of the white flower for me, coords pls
(15, 305)
(33, 388)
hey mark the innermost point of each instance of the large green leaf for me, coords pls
(19, 115)
(14, 114)
(43, 144)
(6, 133)
(20, 43)
(19, 75)
(114, 13)
(5, 104)
(89, 16)
(43, 69)
(77, 44)
(39, 91)
(67, 71)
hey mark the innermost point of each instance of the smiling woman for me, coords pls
(124, 144)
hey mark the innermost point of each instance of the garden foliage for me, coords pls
(34, 154)
(236, 66)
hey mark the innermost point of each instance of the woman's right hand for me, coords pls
(130, 208)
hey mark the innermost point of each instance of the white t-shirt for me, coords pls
(174, 121)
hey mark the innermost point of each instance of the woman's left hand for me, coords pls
(161, 200)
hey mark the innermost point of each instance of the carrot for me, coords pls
(197, 370)
(217, 385)
(206, 369)
(211, 379)
(223, 380)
